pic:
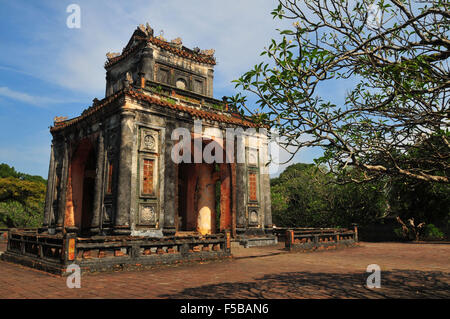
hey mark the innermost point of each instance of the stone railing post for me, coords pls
(69, 246)
(289, 241)
(227, 241)
(8, 244)
(316, 241)
(355, 230)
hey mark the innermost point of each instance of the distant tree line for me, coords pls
(22, 198)
(304, 195)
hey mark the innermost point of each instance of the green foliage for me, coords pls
(399, 233)
(15, 214)
(431, 232)
(217, 107)
(399, 92)
(22, 198)
(7, 171)
(424, 201)
(304, 196)
(169, 100)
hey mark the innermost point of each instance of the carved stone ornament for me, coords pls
(111, 55)
(253, 217)
(209, 52)
(148, 215)
(177, 42)
(149, 141)
(58, 119)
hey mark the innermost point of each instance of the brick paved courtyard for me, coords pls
(408, 271)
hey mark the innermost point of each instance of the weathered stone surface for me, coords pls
(112, 172)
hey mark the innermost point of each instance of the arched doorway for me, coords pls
(204, 196)
(80, 188)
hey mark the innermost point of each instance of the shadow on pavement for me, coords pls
(394, 284)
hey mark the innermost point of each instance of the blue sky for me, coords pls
(48, 70)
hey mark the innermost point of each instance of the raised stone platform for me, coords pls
(53, 253)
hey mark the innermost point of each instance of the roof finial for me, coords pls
(149, 29)
(160, 36)
(58, 119)
(209, 52)
(111, 55)
(178, 42)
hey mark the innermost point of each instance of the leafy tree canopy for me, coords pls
(9, 171)
(304, 196)
(22, 198)
(396, 52)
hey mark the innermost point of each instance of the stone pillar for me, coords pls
(49, 196)
(63, 188)
(268, 204)
(289, 240)
(225, 197)
(123, 203)
(170, 185)
(265, 188)
(98, 196)
(355, 229)
(147, 64)
(241, 193)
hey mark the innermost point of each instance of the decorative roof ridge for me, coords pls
(96, 106)
(186, 102)
(155, 99)
(171, 47)
(223, 117)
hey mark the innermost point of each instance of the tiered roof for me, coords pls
(157, 99)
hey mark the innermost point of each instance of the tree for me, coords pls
(304, 196)
(22, 198)
(7, 171)
(300, 198)
(397, 54)
(421, 200)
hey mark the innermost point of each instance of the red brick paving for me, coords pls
(408, 271)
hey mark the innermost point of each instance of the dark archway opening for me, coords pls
(88, 193)
(204, 197)
(81, 188)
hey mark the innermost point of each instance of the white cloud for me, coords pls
(40, 101)
(73, 58)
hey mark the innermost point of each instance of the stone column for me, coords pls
(265, 188)
(170, 185)
(98, 196)
(123, 203)
(63, 188)
(49, 196)
(268, 204)
(147, 63)
(241, 194)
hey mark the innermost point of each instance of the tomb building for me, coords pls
(156, 157)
